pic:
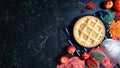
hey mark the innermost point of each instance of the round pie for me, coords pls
(88, 31)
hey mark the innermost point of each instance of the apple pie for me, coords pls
(88, 31)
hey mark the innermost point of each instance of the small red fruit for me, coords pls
(117, 5)
(90, 5)
(63, 59)
(108, 4)
(85, 56)
(71, 49)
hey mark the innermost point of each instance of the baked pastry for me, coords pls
(88, 31)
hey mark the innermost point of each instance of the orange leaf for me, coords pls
(115, 29)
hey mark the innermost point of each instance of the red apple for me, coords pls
(108, 4)
(85, 56)
(63, 59)
(71, 49)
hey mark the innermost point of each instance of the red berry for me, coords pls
(90, 5)
(85, 56)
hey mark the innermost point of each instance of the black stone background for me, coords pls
(32, 31)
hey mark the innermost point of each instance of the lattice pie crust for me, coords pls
(89, 31)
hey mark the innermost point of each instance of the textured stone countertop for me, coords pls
(32, 31)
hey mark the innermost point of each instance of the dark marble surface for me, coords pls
(32, 31)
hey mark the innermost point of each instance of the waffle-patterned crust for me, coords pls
(89, 31)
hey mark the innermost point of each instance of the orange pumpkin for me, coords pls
(117, 5)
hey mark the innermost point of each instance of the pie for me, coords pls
(88, 31)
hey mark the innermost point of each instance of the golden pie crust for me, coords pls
(88, 31)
